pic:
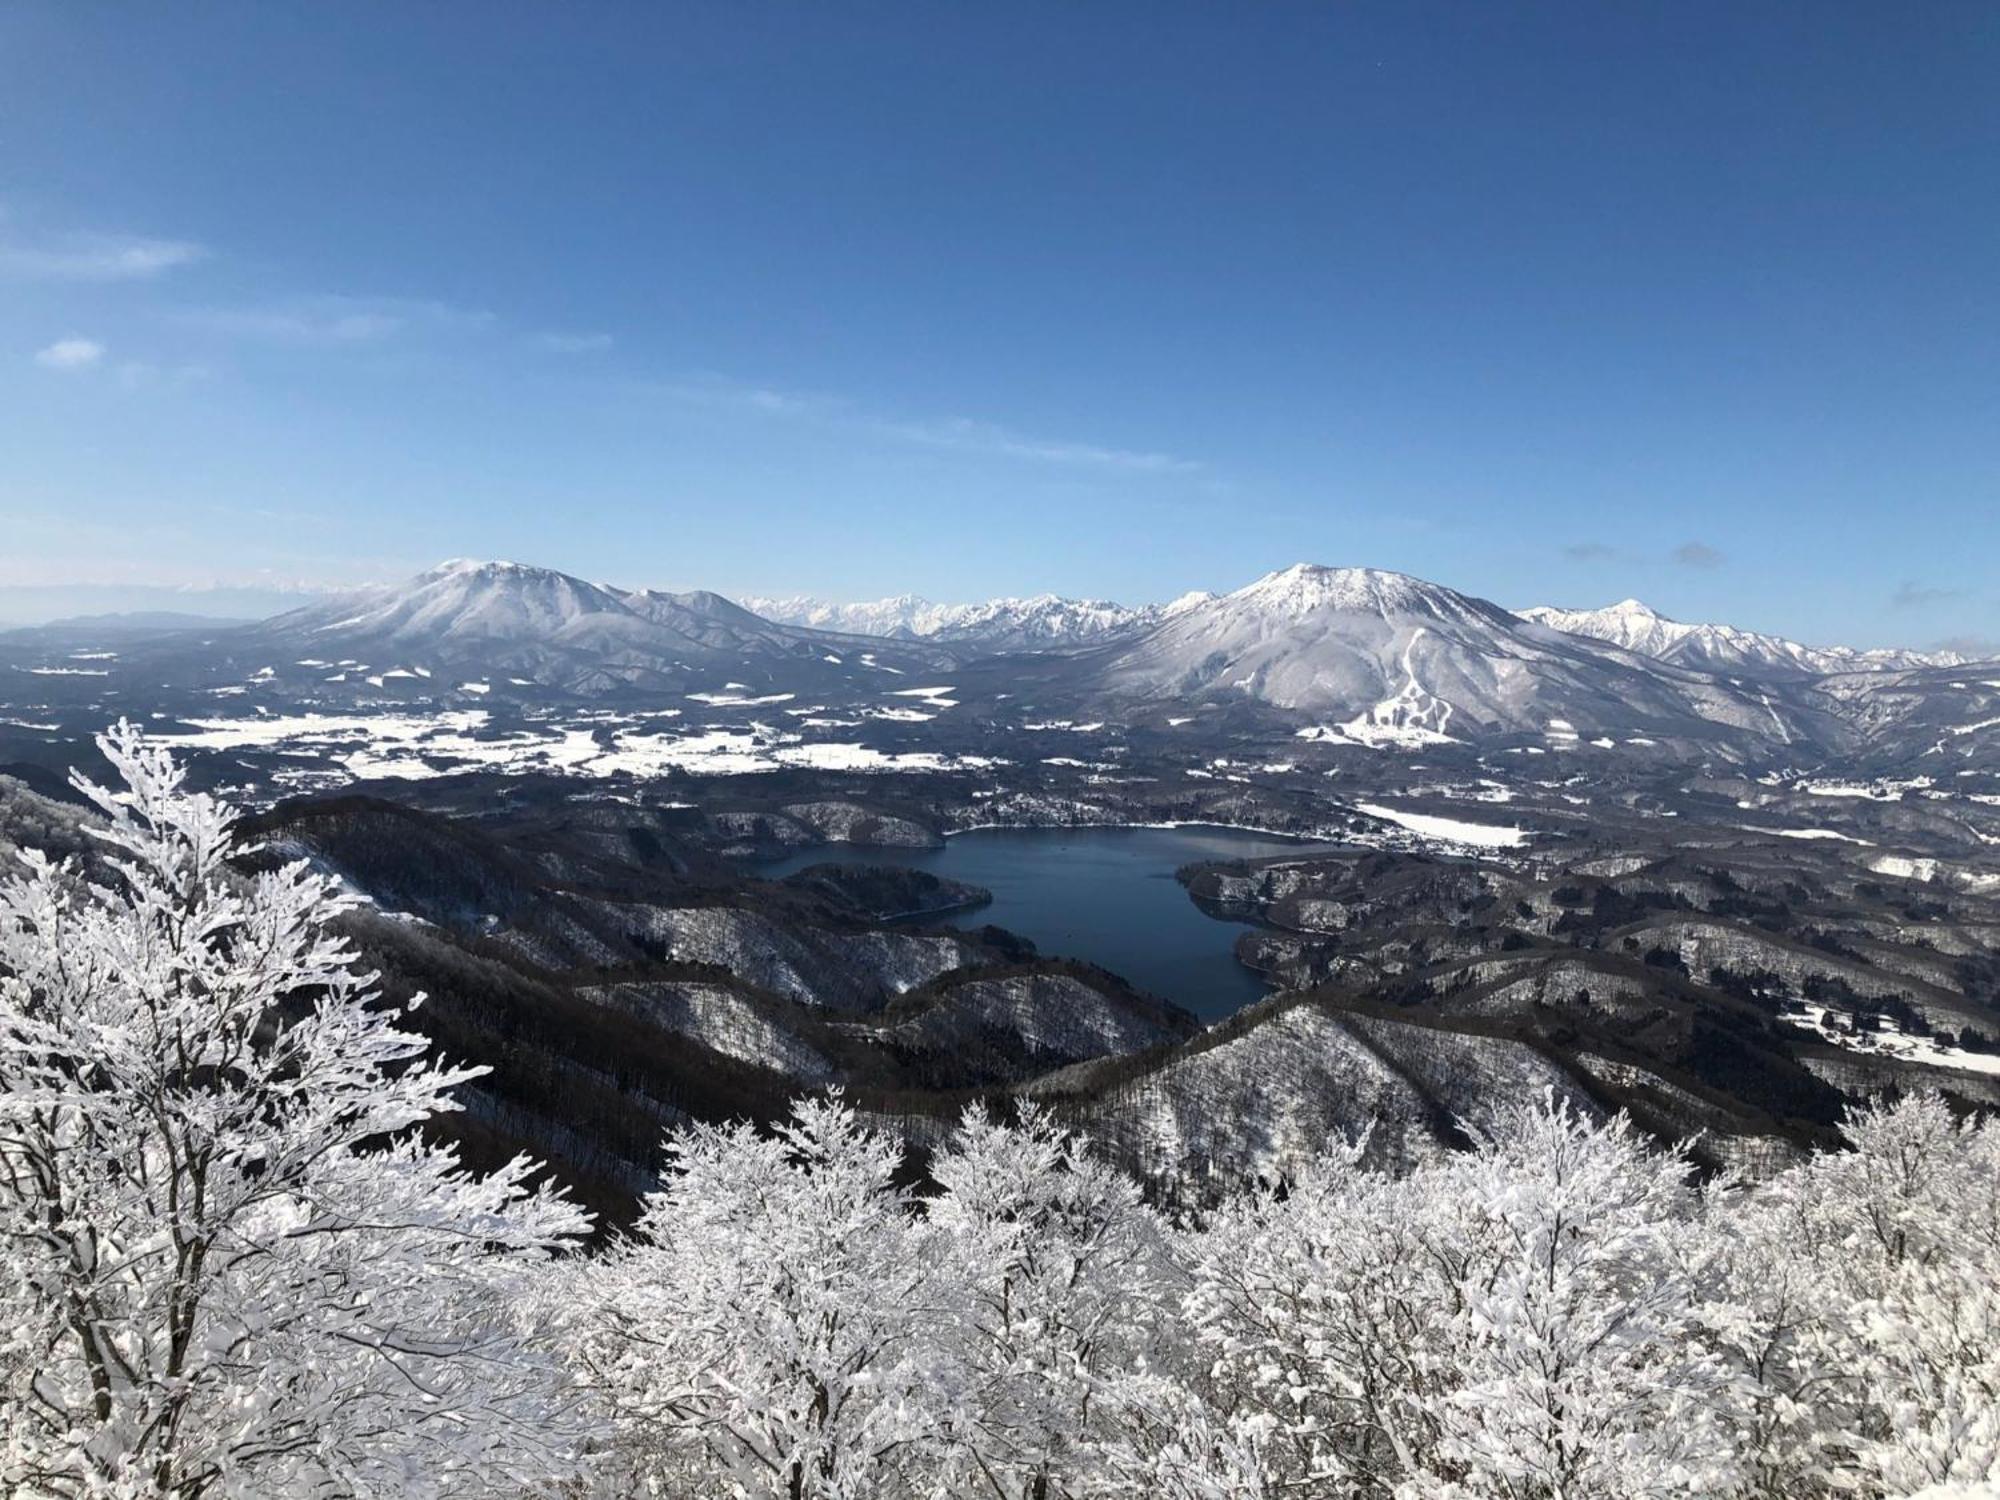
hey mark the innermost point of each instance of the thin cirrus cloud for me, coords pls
(70, 355)
(962, 434)
(949, 434)
(95, 257)
(333, 321)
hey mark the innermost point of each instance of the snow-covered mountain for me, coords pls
(1041, 623)
(552, 630)
(1723, 648)
(1378, 658)
(1352, 656)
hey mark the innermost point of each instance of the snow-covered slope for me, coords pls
(1382, 658)
(1722, 648)
(1043, 622)
(1265, 1097)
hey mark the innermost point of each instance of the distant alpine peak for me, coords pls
(1192, 599)
(1633, 609)
(1633, 625)
(1624, 609)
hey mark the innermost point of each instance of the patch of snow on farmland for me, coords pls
(934, 697)
(738, 700)
(1805, 833)
(1903, 1046)
(1903, 867)
(1451, 830)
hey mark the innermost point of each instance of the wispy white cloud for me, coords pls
(95, 257)
(968, 436)
(332, 321)
(70, 354)
(575, 343)
(713, 391)
(951, 434)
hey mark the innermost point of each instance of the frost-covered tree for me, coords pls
(760, 1335)
(1058, 1279)
(1557, 1314)
(1322, 1309)
(1520, 1321)
(229, 1266)
(1586, 1364)
(1870, 1283)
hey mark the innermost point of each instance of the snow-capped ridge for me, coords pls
(1632, 625)
(1036, 622)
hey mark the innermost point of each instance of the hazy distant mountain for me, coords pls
(1724, 648)
(1041, 623)
(129, 625)
(1383, 658)
(41, 604)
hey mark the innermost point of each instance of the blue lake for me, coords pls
(1107, 895)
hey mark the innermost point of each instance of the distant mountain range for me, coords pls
(45, 603)
(1338, 656)
(1041, 623)
(1045, 622)
(123, 625)
(1348, 655)
(1724, 648)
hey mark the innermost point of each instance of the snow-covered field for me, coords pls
(420, 746)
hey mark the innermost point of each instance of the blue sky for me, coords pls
(1547, 302)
